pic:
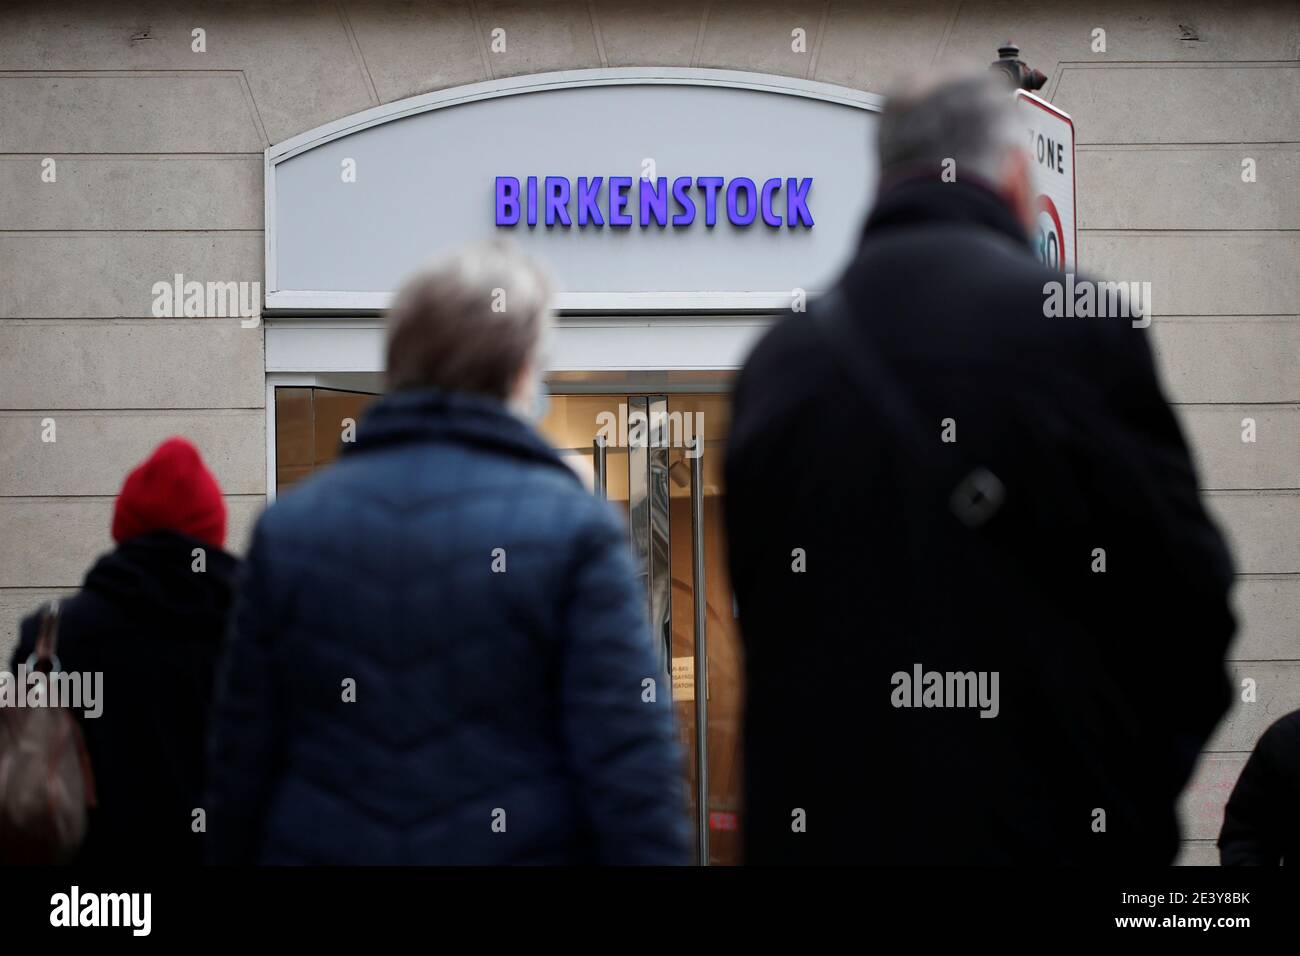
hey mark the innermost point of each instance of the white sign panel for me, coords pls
(639, 189)
(1051, 146)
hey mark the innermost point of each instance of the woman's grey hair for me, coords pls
(472, 321)
(968, 119)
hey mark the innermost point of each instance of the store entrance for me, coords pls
(658, 457)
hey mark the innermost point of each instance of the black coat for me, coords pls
(153, 627)
(485, 606)
(1261, 823)
(1109, 683)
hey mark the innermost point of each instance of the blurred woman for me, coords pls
(150, 617)
(439, 654)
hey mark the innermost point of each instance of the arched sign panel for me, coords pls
(642, 190)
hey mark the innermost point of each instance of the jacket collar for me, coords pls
(157, 569)
(433, 415)
(925, 200)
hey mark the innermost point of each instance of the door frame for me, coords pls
(317, 351)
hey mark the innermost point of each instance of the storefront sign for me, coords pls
(558, 203)
(640, 189)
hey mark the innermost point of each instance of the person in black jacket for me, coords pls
(149, 618)
(1261, 823)
(984, 611)
(439, 652)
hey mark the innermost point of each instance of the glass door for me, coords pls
(659, 458)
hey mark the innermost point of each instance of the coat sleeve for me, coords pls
(1182, 571)
(245, 741)
(618, 728)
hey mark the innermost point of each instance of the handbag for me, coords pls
(46, 784)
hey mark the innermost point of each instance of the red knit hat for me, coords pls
(172, 490)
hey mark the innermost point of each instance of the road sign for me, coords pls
(1051, 147)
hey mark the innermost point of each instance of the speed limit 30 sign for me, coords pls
(1051, 147)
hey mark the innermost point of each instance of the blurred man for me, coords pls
(1261, 823)
(984, 612)
(150, 618)
(439, 655)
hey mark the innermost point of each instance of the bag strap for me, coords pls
(47, 639)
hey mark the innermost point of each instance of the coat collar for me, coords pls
(432, 415)
(925, 200)
(157, 569)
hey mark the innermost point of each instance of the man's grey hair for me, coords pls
(968, 119)
(471, 321)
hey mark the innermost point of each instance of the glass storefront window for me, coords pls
(309, 428)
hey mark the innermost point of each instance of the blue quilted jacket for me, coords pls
(439, 655)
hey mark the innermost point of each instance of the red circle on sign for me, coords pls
(1046, 205)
